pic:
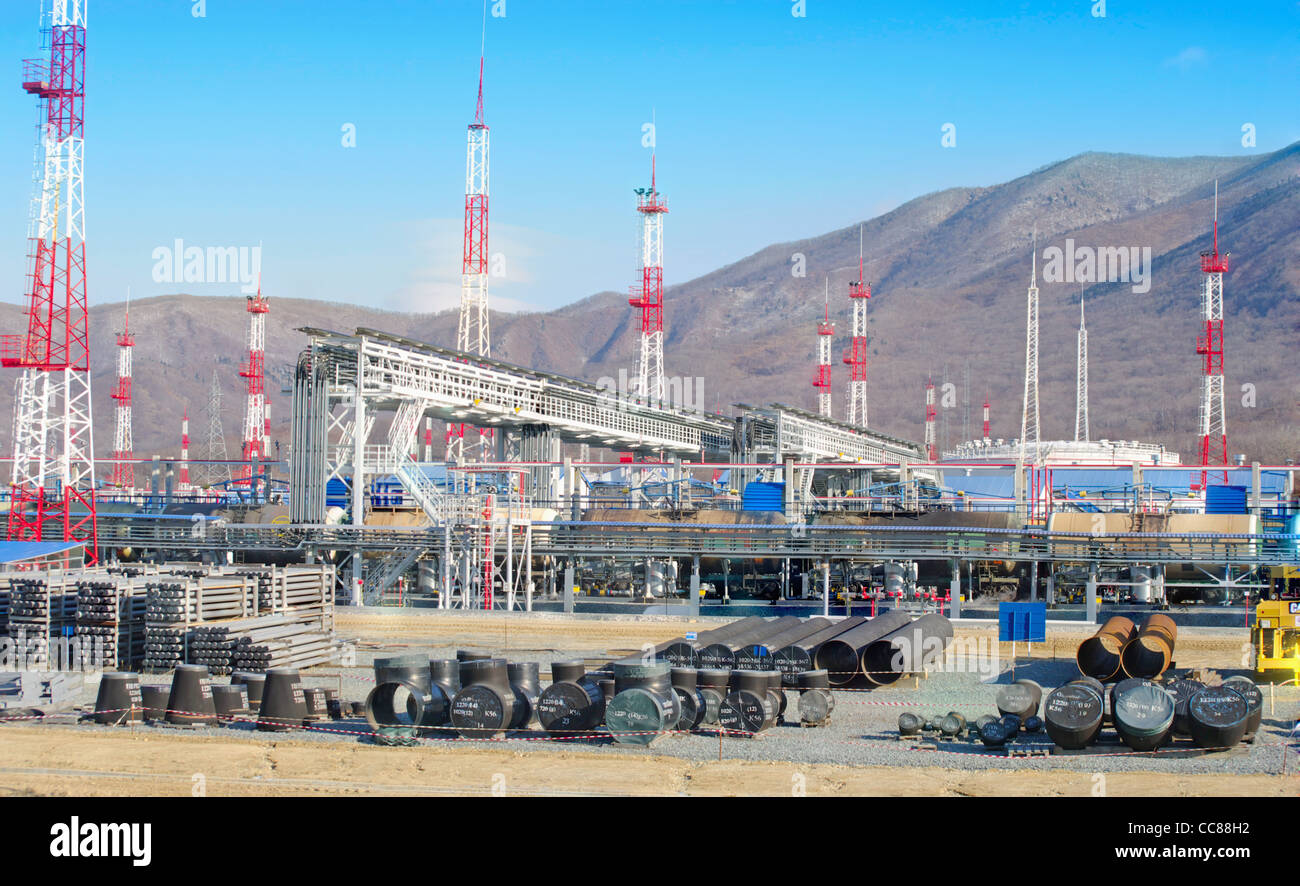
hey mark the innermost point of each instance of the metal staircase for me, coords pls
(425, 492)
(389, 570)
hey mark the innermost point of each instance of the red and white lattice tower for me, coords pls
(185, 448)
(256, 431)
(931, 450)
(648, 296)
(1209, 345)
(53, 463)
(474, 335)
(123, 447)
(822, 380)
(856, 355)
(987, 433)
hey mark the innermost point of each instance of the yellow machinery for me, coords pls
(1277, 623)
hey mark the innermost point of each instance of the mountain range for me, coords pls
(949, 272)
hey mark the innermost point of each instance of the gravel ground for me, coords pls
(862, 731)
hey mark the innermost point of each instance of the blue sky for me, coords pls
(225, 130)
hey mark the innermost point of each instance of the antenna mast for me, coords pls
(648, 296)
(473, 335)
(856, 356)
(53, 477)
(123, 475)
(1029, 419)
(1209, 345)
(257, 429)
(185, 448)
(822, 381)
(931, 449)
(218, 455)
(1081, 432)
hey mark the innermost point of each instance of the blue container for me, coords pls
(1225, 499)
(762, 496)
(1022, 622)
(337, 493)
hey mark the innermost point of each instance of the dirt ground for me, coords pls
(57, 763)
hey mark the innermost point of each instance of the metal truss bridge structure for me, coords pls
(345, 382)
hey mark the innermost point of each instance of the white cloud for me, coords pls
(530, 269)
(1191, 57)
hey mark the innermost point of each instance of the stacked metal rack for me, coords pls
(111, 617)
(181, 602)
(42, 609)
(252, 619)
(156, 618)
(5, 581)
(258, 644)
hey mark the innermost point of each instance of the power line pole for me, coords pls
(218, 458)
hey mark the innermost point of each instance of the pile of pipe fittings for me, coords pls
(1144, 714)
(726, 680)
(1017, 705)
(654, 699)
(811, 655)
(275, 701)
(1147, 714)
(634, 702)
(1121, 649)
(1127, 667)
(475, 695)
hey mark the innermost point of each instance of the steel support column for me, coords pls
(1091, 608)
(695, 586)
(954, 588)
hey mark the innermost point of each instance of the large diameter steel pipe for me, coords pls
(757, 656)
(841, 656)
(1254, 700)
(485, 705)
(645, 706)
(573, 703)
(1099, 655)
(524, 680)
(683, 653)
(795, 658)
(1020, 698)
(685, 683)
(1218, 717)
(751, 707)
(722, 654)
(712, 685)
(1143, 714)
(1073, 716)
(908, 650)
(1149, 653)
(815, 699)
